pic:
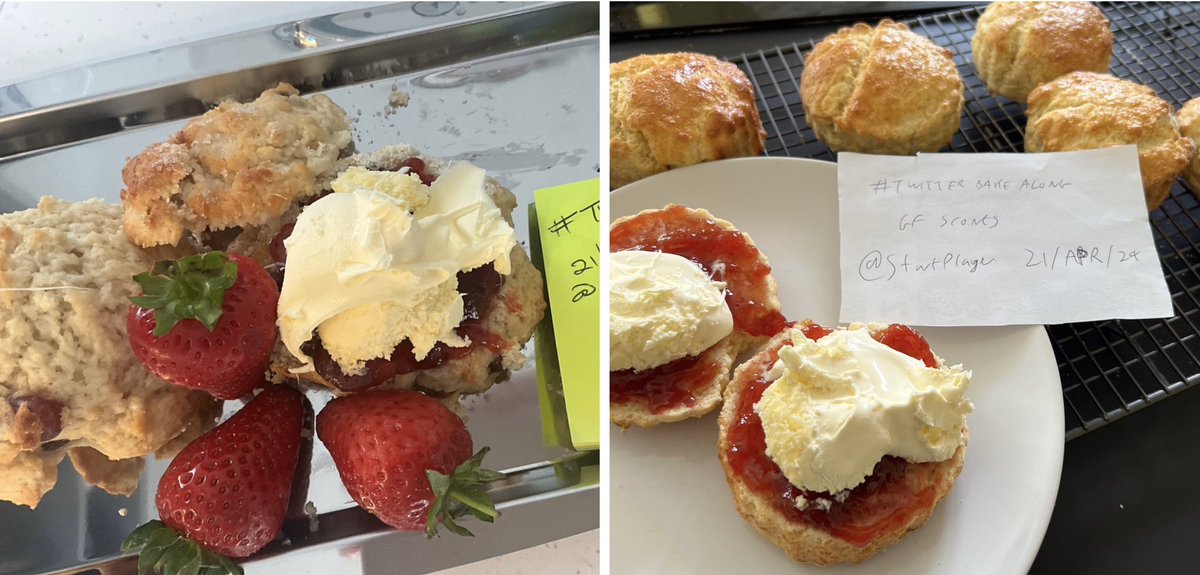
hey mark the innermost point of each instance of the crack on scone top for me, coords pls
(859, 66)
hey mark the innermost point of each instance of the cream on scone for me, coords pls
(837, 443)
(689, 293)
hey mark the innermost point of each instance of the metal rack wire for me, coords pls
(1109, 368)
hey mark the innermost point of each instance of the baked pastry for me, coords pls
(881, 90)
(877, 500)
(1018, 45)
(661, 384)
(1086, 111)
(69, 383)
(234, 169)
(501, 310)
(1189, 126)
(673, 110)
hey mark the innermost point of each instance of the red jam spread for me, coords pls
(665, 387)
(885, 501)
(726, 255)
(478, 288)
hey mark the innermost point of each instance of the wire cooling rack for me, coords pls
(1110, 368)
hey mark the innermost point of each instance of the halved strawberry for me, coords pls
(226, 493)
(205, 322)
(406, 458)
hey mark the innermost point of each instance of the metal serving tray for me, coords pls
(511, 87)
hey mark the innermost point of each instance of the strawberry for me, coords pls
(407, 459)
(205, 322)
(226, 493)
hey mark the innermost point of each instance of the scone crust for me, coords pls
(516, 311)
(1189, 126)
(724, 352)
(70, 346)
(1018, 45)
(881, 90)
(1086, 111)
(238, 165)
(674, 110)
(803, 543)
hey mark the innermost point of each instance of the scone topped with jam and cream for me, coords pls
(407, 274)
(838, 443)
(688, 294)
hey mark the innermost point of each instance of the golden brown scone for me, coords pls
(237, 166)
(516, 311)
(1086, 111)
(802, 542)
(1018, 45)
(722, 354)
(1189, 125)
(881, 90)
(673, 110)
(68, 378)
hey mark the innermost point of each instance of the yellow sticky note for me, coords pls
(567, 220)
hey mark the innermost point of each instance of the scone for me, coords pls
(858, 497)
(501, 311)
(673, 110)
(665, 381)
(69, 382)
(1018, 45)
(1086, 111)
(1189, 125)
(881, 90)
(233, 170)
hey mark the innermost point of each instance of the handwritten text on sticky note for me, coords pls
(997, 239)
(569, 229)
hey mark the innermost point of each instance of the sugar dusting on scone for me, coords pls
(68, 379)
(239, 165)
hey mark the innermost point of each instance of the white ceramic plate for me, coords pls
(671, 510)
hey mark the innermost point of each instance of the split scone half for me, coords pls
(501, 311)
(669, 359)
(823, 462)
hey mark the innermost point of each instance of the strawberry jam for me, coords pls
(478, 287)
(725, 255)
(665, 387)
(886, 500)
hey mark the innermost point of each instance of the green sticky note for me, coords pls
(567, 220)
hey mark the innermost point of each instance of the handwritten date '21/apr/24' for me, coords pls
(877, 265)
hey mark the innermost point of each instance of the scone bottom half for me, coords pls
(825, 528)
(692, 386)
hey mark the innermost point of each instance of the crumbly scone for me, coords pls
(881, 90)
(519, 306)
(1086, 111)
(1018, 45)
(674, 110)
(237, 166)
(65, 277)
(805, 543)
(723, 354)
(1189, 125)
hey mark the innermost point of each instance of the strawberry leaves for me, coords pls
(188, 288)
(460, 493)
(163, 550)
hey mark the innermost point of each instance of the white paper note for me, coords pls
(997, 239)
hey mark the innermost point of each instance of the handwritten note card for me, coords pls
(997, 239)
(568, 219)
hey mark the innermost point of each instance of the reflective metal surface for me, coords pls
(525, 109)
